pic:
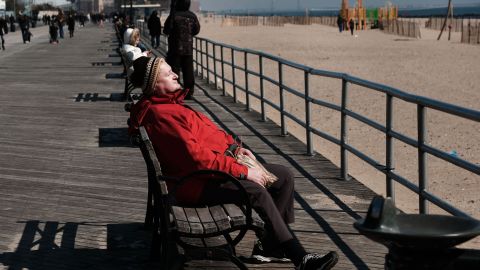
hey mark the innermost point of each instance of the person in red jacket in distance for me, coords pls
(186, 140)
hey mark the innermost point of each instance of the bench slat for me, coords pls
(208, 223)
(237, 217)
(180, 219)
(193, 241)
(215, 241)
(194, 221)
(220, 217)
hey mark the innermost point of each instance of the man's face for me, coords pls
(167, 81)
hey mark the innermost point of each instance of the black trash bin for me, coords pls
(418, 241)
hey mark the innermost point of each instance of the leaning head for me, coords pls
(154, 76)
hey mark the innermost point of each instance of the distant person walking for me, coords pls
(12, 23)
(180, 27)
(3, 31)
(24, 22)
(155, 28)
(351, 25)
(60, 22)
(340, 23)
(71, 25)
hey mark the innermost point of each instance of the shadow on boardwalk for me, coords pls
(73, 190)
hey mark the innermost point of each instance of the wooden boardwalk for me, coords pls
(73, 190)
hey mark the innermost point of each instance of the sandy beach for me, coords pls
(443, 70)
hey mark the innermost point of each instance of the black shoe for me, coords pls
(266, 256)
(315, 261)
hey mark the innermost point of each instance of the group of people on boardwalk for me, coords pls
(185, 141)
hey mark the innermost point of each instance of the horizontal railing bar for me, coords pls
(452, 159)
(444, 205)
(367, 121)
(403, 138)
(326, 104)
(365, 158)
(427, 102)
(326, 136)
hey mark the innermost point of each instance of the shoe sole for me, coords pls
(331, 262)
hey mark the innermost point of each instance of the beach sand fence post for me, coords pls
(282, 104)
(262, 94)
(344, 131)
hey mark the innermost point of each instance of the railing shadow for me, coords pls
(71, 245)
(327, 228)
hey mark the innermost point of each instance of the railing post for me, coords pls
(196, 55)
(234, 85)
(215, 66)
(422, 160)
(282, 109)
(389, 163)
(343, 131)
(223, 71)
(201, 58)
(262, 103)
(308, 112)
(247, 91)
(207, 57)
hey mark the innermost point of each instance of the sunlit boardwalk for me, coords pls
(73, 189)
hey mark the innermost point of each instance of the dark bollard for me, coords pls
(416, 241)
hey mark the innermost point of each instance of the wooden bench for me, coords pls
(129, 87)
(203, 232)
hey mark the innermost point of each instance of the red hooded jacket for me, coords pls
(184, 140)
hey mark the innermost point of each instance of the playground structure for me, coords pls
(363, 16)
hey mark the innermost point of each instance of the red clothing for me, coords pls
(184, 140)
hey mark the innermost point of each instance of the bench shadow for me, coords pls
(114, 137)
(96, 97)
(68, 245)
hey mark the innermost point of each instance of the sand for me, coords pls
(443, 70)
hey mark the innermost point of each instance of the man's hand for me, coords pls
(257, 175)
(246, 152)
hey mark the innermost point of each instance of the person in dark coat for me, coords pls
(3, 31)
(24, 23)
(12, 23)
(155, 28)
(351, 25)
(180, 26)
(71, 24)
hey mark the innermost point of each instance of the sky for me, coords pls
(215, 5)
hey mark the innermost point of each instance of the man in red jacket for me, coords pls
(186, 140)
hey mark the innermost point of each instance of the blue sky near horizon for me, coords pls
(218, 5)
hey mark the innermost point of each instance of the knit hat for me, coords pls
(145, 73)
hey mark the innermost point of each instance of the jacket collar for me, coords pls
(177, 97)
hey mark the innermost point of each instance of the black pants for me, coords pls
(185, 64)
(274, 205)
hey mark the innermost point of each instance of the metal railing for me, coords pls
(205, 52)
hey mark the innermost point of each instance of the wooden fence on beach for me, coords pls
(278, 21)
(471, 33)
(402, 28)
(437, 24)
